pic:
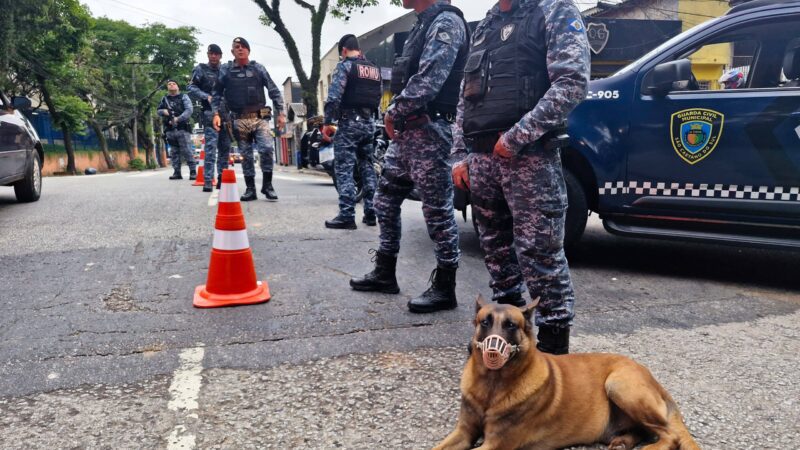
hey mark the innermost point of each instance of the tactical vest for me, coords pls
(407, 64)
(506, 71)
(210, 77)
(364, 85)
(176, 108)
(244, 89)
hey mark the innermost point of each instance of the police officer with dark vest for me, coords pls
(218, 144)
(426, 79)
(528, 67)
(175, 110)
(241, 83)
(353, 99)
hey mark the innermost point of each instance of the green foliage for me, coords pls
(152, 165)
(136, 164)
(73, 112)
(344, 9)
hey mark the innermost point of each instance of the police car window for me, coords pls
(722, 64)
(790, 75)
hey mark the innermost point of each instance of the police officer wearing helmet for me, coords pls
(353, 99)
(175, 110)
(528, 67)
(218, 143)
(426, 79)
(241, 83)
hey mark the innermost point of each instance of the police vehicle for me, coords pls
(21, 152)
(657, 154)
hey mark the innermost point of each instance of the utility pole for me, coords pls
(135, 111)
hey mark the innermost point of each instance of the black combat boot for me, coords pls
(382, 279)
(266, 186)
(176, 175)
(369, 219)
(440, 296)
(512, 299)
(341, 223)
(192, 173)
(208, 185)
(219, 181)
(250, 192)
(553, 340)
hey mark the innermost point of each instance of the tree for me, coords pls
(272, 18)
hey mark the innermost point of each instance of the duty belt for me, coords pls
(357, 114)
(552, 140)
(247, 115)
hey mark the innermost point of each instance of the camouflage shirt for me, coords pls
(272, 89)
(442, 41)
(337, 88)
(567, 66)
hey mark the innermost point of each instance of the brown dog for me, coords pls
(534, 400)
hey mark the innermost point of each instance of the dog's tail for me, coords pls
(685, 439)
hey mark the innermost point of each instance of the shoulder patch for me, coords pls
(576, 25)
(444, 37)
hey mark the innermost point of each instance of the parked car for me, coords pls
(657, 154)
(21, 152)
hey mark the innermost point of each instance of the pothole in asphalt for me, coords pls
(120, 299)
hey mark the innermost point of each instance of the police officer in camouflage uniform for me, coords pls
(218, 144)
(175, 110)
(241, 83)
(353, 99)
(426, 79)
(528, 67)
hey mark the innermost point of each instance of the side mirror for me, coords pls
(664, 76)
(21, 103)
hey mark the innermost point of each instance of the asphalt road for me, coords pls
(100, 346)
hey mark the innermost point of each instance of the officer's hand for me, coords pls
(216, 122)
(175, 122)
(461, 175)
(281, 121)
(328, 131)
(501, 150)
(389, 124)
(209, 99)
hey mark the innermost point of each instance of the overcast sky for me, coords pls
(220, 21)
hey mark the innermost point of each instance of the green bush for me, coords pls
(152, 165)
(136, 164)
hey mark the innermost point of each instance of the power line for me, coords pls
(198, 27)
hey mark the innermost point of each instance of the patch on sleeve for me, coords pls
(444, 37)
(576, 25)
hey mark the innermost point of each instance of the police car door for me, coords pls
(705, 152)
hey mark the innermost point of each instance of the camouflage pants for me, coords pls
(520, 206)
(419, 158)
(180, 146)
(353, 148)
(218, 147)
(254, 134)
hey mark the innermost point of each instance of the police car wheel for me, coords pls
(577, 210)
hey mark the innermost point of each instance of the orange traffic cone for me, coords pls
(231, 274)
(201, 171)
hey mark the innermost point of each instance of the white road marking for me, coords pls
(288, 178)
(184, 392)
(213, 199)
(144, 174)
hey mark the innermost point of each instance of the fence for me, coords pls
(52, 136)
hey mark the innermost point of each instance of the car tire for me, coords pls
(29, 189)
(577, 210)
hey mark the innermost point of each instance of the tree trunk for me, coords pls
(128, 137)
(70, 150)
(147, 144)
(103, 143)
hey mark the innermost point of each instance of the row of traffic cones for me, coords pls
(232, 279)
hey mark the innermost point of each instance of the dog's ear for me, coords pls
(527, 310)
(480, 303)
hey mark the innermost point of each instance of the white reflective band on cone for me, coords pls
(231, 240)
(228, 193)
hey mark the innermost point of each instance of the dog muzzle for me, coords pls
(496, 351)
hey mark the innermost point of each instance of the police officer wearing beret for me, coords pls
(241, 83)
(426, 79)
(218, 143)
(353, 99)
(528, 67)
(175, 110)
